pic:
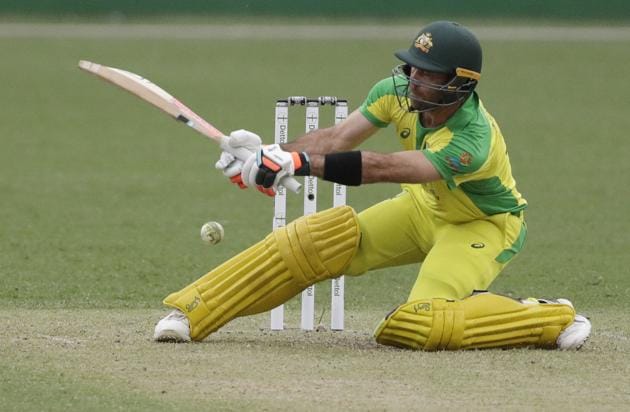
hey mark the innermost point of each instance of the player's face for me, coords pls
(423, 86)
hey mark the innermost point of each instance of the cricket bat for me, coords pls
(158, 97)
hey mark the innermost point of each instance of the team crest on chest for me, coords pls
(424, 42)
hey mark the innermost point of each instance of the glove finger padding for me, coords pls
(246, 139)
(224, 162)
(234, 169)
(249, 171)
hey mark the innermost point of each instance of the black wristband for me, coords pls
(344, 168)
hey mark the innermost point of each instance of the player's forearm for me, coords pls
(341, 137)
(381, 167)
(400, 167)
(317, 142)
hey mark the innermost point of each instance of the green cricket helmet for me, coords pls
(441, 47)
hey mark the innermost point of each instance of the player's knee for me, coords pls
(356, 267)
(480, 321)
(425, 324)
(319, 246)
(309, 249)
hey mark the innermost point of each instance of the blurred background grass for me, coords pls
(568, 11)
(103, 196)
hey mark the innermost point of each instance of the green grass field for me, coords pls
(103, 198)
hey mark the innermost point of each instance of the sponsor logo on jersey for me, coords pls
(453, 162)
(424, 42)
(404, 133)
(458, 163)
(465, 159)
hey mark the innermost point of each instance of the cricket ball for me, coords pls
(212, 233)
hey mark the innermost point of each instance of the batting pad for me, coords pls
(310, 249)
(480, 321)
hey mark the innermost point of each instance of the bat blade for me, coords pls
(160, 98)
(154, 95)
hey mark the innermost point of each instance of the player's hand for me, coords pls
(231, 166)
(271, 164)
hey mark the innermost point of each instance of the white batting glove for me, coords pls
(231, 166)
(271, 164)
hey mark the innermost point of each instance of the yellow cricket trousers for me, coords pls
(456, 258)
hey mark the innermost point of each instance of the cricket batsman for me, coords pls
(459, 214)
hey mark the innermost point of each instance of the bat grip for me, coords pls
(242, 154)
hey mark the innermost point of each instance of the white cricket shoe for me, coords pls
(574, 336)
(173, 327)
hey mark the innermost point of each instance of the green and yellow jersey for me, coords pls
(468, 151)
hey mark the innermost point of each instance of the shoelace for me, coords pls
(176, 314)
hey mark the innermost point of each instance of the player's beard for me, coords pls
(435, 95)
(421, 105)
(424, 104)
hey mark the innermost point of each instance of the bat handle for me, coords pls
(242, 154)
(291, 184)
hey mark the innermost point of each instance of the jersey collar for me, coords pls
(465, 113)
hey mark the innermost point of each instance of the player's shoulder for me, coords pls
(383, 87)
(472, 133)
(381, 103)
(472, 122)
